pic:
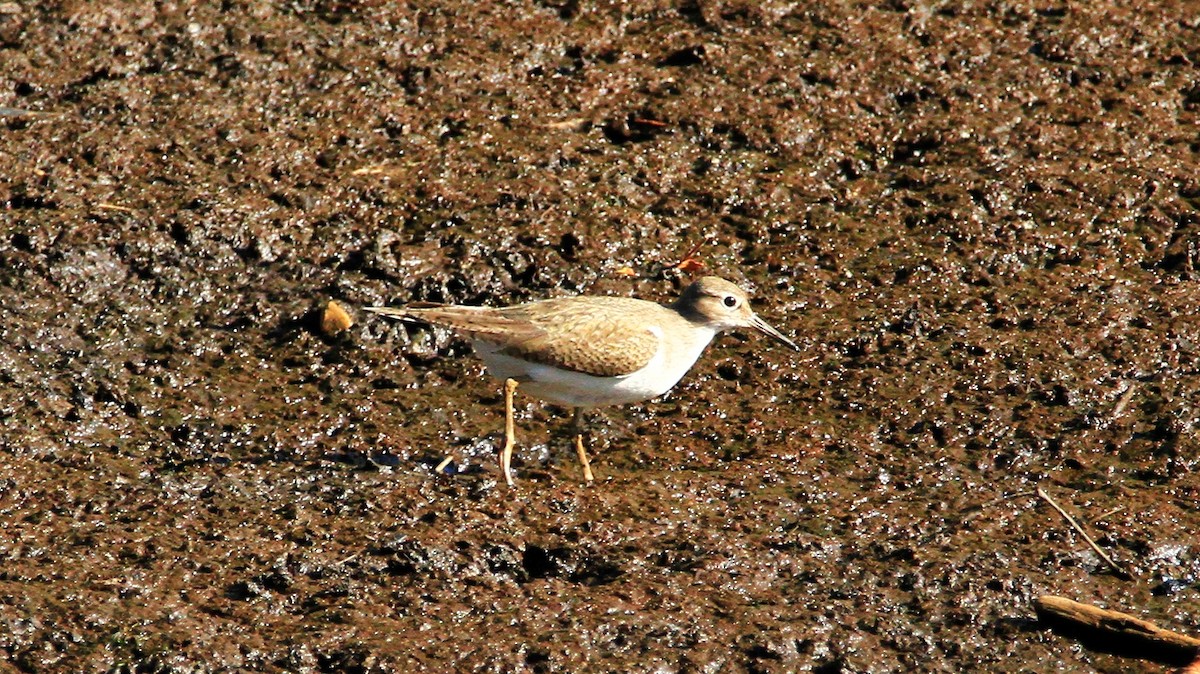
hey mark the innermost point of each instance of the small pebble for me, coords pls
(335, 319)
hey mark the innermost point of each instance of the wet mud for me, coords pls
(980, 222)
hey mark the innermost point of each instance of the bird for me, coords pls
(591, 351)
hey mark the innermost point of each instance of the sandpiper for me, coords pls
(591, 351)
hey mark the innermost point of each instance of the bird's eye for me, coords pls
(730, 301)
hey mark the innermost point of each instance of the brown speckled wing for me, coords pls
(600, 336)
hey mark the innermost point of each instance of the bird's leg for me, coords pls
(510, 387)
(442, 466)
(577, 424)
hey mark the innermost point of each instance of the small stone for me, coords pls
(334, 319)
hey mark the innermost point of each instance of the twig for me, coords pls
(572, 123)
(1123, 401)
(6, 111)
(1121, 572)
(114, 207)
(1115, 632)
(650, 122)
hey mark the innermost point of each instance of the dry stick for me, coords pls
(1125, 575)
(114, 207)
(1113, 631)
(6, 111)
(1123, 401)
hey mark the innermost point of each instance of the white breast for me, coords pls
(574, 389)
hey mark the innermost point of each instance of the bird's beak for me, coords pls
(765, 328)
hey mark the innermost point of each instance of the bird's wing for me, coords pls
(599, 337)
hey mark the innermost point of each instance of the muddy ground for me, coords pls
(980, 221)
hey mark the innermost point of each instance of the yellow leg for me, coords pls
(442, 466)
(583, 457)
(510, 387)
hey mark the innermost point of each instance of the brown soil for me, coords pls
(980, 221)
